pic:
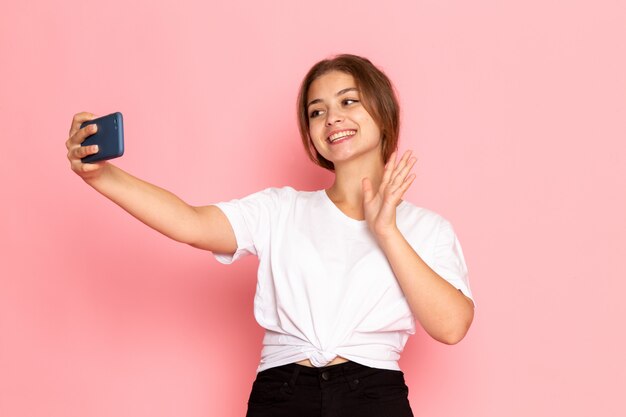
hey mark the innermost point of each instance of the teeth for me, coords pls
(342, 134)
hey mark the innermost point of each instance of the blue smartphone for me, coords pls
(109, 138)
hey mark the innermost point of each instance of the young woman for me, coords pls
(344, 272)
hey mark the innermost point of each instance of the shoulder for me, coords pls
(269, 193)
(286, 193)
(421, 225)
(277, 197)
(410, 213)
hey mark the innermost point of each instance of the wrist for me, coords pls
(387, 235)
(93, 178)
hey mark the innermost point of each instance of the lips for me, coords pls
(340, 134)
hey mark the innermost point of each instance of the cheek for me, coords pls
(315, 131)
(316, 134)
(365, 120)
(373, 128)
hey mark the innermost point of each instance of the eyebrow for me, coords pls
(340, 92)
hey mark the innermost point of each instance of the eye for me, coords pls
(349, 101)
(314, 114)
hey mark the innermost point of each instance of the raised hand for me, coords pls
(380, 205)
(75, 151)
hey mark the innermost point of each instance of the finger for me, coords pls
(389, 166)
(401, 178)
(397, 177)
(396, 195)
(368, 193)
(80, 135)
(396, 190)
(399, 192)
(78, 119)
(81, 168)
(80, 152)
(408, 166)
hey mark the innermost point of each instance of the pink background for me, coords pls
(516, 110)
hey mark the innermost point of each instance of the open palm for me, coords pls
(380, 205)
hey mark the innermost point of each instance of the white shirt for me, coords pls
(325, 288)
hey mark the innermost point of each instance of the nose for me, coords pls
(333, 116)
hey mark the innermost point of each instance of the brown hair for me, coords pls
(377, 94)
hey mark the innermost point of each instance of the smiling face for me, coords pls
(340, 127)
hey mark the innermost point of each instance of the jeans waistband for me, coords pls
(349, 372)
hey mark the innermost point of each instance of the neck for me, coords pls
(347, 189)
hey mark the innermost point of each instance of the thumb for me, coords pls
(368, 194)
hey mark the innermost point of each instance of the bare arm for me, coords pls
(202, 227)
(444, 312)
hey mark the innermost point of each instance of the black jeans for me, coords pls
(344, 390)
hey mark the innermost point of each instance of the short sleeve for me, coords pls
(449, 261)
(250, 217)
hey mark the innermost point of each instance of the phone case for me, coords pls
(109, 138)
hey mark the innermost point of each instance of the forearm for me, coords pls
(154, 206)
(444, 312)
